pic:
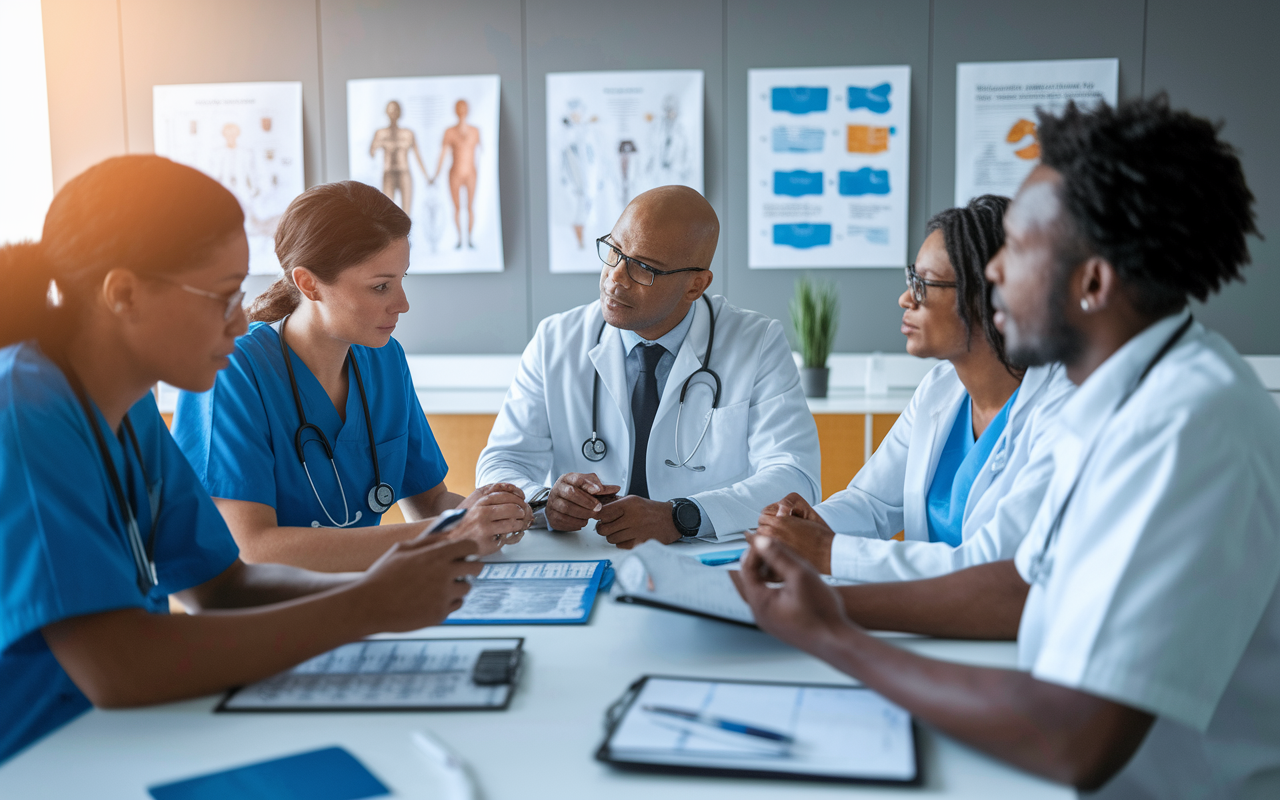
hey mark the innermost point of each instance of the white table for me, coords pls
(543, 746)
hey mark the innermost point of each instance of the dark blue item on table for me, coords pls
(328, 774)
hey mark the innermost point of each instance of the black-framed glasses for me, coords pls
(917, 284)
(638, 271)
(233, 300)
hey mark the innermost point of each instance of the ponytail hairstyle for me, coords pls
(973, 235)
(328, 229)
(142, 213)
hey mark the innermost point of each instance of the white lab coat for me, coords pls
(1161, 585)
(762, 442)
(889, 494)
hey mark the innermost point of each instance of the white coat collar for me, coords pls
(1093, 403)
(689, 357)
(609, 359)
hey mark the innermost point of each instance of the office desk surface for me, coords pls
(542, 747)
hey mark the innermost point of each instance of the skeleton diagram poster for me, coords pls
(248, 137)
(611, 136)
(996, 104)
(431, 145)
(827, 166)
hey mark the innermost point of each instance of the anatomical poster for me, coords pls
(611, 136)
(248, 137)
(431, 145)
(996, 103)
(827, 166)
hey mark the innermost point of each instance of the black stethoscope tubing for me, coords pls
(143, 552)
(381, 496)
(595, 448)
(1042, 565)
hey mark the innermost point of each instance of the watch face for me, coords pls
(687, 517)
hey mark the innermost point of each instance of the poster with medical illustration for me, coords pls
(611, 136)
(827, 167)
(996, 104)
(248, 137)
(431, 145)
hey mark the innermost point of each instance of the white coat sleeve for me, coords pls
(871, 560)
(782, 444)
(519, 447)
(872, 504)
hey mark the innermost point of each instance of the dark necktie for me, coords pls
(644, 407)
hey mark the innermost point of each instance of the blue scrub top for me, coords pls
(239, 435)
(63, 547)
(958, 467)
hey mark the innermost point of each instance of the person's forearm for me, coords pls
(130, 658)
(325, 549)
(983, 602)
(247, 585)
(1050, 730)
(419, 508)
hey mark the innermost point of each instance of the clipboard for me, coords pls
(391, 675)
(534, 593)
(874, 743)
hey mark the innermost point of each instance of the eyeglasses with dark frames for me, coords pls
(638, 271)
(917, 284)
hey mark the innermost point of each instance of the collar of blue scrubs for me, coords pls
(1091, 406)
(670, 341)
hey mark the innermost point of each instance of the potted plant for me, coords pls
(813, 320)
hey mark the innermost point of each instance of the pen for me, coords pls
(461, 786)
(722, 724)
(722, 558)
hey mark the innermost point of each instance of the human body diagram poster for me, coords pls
(827, 166)
(431, 145)
(246, 136)
(611, 136)
(996, 144)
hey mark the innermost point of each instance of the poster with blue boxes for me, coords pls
(827, 167)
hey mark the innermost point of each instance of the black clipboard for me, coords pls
(618, 711)
(639, 600)
(225, 708)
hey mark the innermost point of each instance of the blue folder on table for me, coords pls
(328, 774)
(533, 593)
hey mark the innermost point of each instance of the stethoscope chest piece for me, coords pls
(381, 498)
(594, 449)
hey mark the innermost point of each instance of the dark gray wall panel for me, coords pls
(1220, 60)
(589, 35)
(464, 313)
(820, 33)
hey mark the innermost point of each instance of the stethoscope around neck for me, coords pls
(381, 496)
(595, 449)
(1042, 563)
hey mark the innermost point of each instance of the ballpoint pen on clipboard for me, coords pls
(722, 724)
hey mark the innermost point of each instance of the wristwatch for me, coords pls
(687, 517)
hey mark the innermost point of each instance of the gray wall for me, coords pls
(1217, 59)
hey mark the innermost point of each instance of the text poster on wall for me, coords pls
(248, 137)
(611, 136)
(431, 145)
(996, 144)
(827, 166)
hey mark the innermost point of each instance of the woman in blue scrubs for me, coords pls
(966, 464)
(287, 448)
(137, 280)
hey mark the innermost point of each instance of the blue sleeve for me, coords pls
(424, 467)
(62, 549)
(225, 435)
(192, 541)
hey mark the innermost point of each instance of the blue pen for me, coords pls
(722, 724)
(722, 558)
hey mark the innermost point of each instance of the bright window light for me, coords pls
(26, 167)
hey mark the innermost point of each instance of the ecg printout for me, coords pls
(381, 673)
(838, 731)
(529, 590)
